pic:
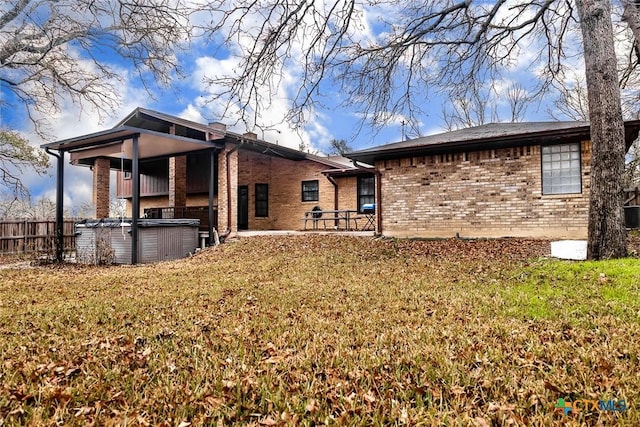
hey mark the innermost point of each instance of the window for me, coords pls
(366, 191)
(262, 200)
(561, 172)
(127, 175)
(310, 191)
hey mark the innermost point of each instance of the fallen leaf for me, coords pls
(268, 422)
(311, 406)
(369, 397)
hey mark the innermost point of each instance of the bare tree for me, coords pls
(471, 109)
(15, 155)
(52, 51)
(339, 147)
(571, 102)
(448, 46)
(518, 98)
(607, 236)
(13, 208)
(480, 106)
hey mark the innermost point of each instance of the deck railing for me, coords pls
(194, 212)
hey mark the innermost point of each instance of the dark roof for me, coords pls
(160, 122)
(153, 127)
(487, 137)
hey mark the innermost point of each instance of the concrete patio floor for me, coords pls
(251, 233)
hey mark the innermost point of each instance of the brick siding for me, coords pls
(178, 181)
(492, 193)
(284, 177)
(101, 184)
(223, 211)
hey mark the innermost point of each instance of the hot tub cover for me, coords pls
(142, 223)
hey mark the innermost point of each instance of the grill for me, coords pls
(369, 208)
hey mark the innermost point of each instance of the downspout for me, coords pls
(227, 162)
(59, 203)
(212, 181)
(378, 176)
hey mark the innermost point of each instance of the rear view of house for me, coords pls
(494, 180)
(257, 185)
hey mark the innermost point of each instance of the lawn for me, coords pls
(325, 330)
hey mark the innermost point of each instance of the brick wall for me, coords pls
(178, 181)
(493, 193)
(148, 202)
(284, 177)
(223, 211)
(347, 192)
(101, 184)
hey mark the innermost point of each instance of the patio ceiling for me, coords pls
(116, 144)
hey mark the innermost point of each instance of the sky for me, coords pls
(187, 97)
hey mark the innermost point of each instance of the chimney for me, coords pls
(218, 126)
(250, 135)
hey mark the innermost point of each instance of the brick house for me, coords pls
(253, 184)
(494, 180)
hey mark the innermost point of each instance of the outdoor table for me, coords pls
(335, 215)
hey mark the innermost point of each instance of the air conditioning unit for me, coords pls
(632, 216)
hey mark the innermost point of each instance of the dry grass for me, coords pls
(323, 329)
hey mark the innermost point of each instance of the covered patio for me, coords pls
(124, 148)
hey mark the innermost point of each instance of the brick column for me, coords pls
(223, 194)
(101, 186)
(178, 181)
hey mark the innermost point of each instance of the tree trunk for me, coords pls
(607, 235)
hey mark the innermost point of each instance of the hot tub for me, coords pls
(107, 241)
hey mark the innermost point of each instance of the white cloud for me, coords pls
(270, 122)
(71, 120)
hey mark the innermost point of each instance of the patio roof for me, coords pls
(116, 144)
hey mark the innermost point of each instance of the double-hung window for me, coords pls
(366, 191)
(561, 171)
(310, 191)
(262, 200)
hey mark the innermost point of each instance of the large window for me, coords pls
(310, 191)
(366, 191)
(561, 172)
(262, 200)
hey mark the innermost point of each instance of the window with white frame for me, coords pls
(561, 171)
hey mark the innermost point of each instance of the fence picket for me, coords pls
(23, 236)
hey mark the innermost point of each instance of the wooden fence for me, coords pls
(25, 236)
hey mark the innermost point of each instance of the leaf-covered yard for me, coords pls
(324, 329)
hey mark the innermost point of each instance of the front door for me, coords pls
(243, 207)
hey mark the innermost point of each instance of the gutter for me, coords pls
(378, 176)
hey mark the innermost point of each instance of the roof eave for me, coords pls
(632, 129)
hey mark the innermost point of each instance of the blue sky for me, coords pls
(187, 97)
